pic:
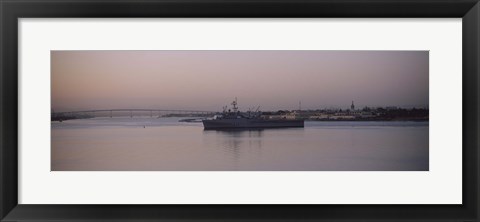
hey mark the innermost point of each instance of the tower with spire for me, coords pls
(352, 106)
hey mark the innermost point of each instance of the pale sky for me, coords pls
(208, 80)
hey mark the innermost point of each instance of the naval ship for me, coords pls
(234, 119)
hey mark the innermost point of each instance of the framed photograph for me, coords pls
(225, 110)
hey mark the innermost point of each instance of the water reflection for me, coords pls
(166, 144)
(238, 141)
(238, 132)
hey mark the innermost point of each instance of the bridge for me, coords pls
(132, 112)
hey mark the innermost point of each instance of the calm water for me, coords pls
(123, 143)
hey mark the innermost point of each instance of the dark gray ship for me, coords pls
(234, 119)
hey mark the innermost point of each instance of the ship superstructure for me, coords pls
(234, 119)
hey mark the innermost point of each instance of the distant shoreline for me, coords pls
(406, 119)
(309, 120)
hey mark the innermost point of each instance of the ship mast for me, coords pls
(234, 104)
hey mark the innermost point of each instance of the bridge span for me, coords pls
(132, 112)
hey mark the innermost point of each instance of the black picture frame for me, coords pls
(12, 10)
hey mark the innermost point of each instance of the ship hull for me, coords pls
(250, 124)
